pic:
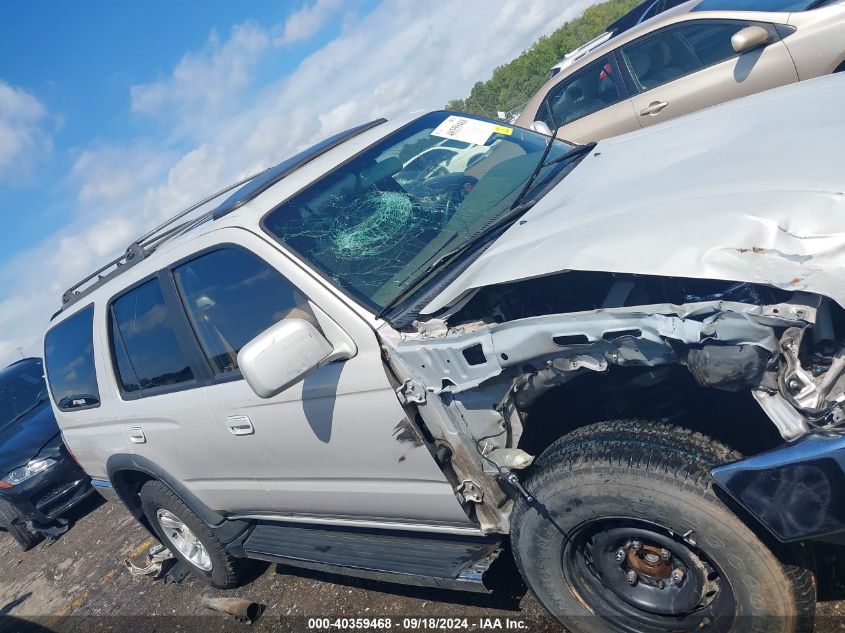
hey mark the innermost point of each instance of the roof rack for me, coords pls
(145, 245)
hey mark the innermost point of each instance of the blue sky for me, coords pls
(115, 114)
(81, 60)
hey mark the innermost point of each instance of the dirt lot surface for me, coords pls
(78, 582)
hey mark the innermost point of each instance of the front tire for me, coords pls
(188, 538)
(626, 534)
(13, 522)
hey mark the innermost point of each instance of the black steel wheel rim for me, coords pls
(641, 577)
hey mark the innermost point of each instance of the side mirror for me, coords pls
(541, 127)
(284, 354)
(748, 38)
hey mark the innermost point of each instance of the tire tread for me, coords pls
(11, 519)
(673, 454)
(226, 573)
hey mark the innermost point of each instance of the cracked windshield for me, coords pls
(376, 222)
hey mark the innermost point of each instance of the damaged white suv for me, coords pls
(560, 354)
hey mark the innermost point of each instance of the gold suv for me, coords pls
(696, 55)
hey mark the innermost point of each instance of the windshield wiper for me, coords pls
(575, 151)
(512, 214)
(540, 164)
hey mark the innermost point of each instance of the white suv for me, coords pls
(394, 375)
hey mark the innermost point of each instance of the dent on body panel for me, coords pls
(787, 270)
(796, 248)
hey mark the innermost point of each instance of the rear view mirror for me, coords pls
(748, 38)
(284, 354)
(541, 127)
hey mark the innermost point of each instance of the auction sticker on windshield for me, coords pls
(467, 130)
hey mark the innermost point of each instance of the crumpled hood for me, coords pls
(753, 190)
(23, 440)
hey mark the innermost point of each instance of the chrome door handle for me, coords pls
(240, 425)
(136, 435)
(653, 108)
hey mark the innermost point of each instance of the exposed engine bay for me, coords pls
(476, 373)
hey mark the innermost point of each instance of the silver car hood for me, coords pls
(748, 191)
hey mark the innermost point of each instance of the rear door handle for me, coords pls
(240, 425)
(653, 108)
(136, 435)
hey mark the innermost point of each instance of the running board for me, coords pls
(445, 561)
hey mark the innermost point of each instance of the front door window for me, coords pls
(231, 296)
(679, 51)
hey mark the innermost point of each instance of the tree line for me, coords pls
(512, 84)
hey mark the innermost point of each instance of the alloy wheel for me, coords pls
(183, 539)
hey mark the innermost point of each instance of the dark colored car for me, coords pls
(641, 13)
(39, 480)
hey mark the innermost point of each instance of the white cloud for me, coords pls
(395, 60)
(191, 178)
(399, 58)
(24, 138)
(205, 82)
(17, 332)
(34, 282)
(78, 254)
(108, 175)
(306, 22)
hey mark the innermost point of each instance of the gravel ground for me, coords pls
(78, 582)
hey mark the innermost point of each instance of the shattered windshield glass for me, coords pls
(374, 223)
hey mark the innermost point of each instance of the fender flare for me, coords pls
(224, 529)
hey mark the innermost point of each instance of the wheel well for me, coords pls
(127, 484)
(667, 393)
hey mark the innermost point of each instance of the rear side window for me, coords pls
(146, 349)
(231, 296)
(591, 90)
(69, 360)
